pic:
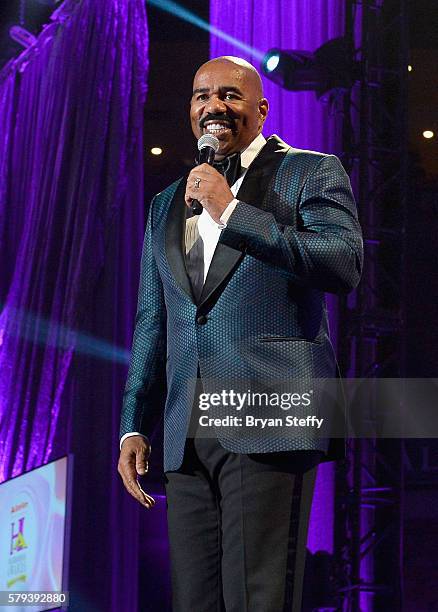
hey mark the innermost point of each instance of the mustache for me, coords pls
(217, 117)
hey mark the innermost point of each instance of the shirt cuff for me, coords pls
(227, 213)
(127, 435)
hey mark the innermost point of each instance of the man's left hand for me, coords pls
(212, 192)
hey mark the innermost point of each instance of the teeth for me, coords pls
(216, 127)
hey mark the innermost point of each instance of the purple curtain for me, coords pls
(71, 227)
(300, 120)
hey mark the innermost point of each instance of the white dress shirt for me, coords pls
(209, 230)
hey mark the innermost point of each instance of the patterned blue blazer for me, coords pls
(293, 236)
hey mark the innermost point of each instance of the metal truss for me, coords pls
(369, 500)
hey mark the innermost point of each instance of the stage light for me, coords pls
(22, 36)
(156, 150)
(428, 134)
(409, 68)
(271, 61)
(328, 68)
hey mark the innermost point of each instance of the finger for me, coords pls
(194, 174)
(205, 169)
(190, 188)
(193, 193)
(203, 172)
(129, 477)
(148, 498)
(134, 488)
(188, 199)
(141, 460)
(197, 180)
(141, 495)
(203, 177)
(198, 184)
(201, 169)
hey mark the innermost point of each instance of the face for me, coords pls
(227, 102)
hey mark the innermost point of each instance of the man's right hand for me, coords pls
(133, 462)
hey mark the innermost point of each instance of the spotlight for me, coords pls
(156, 150)
(428, 134)
(22, 36)
(271, 61)
(328, 68)
(409, 68)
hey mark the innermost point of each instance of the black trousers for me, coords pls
(238, 528)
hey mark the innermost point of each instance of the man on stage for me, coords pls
(236, 292)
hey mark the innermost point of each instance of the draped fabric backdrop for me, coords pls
(300, 120)
(71, 227)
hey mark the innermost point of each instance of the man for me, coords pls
(237, 292)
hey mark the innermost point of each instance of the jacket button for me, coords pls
(201, 320)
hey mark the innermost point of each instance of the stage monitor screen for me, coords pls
(34, 534)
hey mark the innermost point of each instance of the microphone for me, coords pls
(207, 146)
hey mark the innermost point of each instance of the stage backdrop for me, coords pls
(71, 228)
(300, 120)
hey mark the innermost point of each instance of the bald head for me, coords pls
(228, 101)
(251, 72)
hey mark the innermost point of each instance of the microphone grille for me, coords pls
(208, 140)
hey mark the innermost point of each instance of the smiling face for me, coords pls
(228, 102)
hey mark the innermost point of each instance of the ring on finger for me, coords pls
(197, 183)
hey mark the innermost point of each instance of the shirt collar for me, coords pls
(250, 153)
(247, 156)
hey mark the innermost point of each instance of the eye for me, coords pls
(231, 96)
(201, 97)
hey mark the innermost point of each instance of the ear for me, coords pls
(263, 109)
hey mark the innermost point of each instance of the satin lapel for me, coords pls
(175, 238)
(252, 191)
(255, 184)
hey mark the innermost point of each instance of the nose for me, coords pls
(215, 105)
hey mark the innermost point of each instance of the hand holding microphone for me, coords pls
(208, 145)
(206, 186)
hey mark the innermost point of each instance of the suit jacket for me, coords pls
(262, 315)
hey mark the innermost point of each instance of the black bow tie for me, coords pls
(229, 167)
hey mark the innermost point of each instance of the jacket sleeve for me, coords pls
(145, 390)
(324, 250)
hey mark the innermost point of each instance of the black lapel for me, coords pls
(254, 186)
(175, 238)
(252, 191)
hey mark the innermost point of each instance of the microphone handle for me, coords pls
(206, 156)
(196, 207)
